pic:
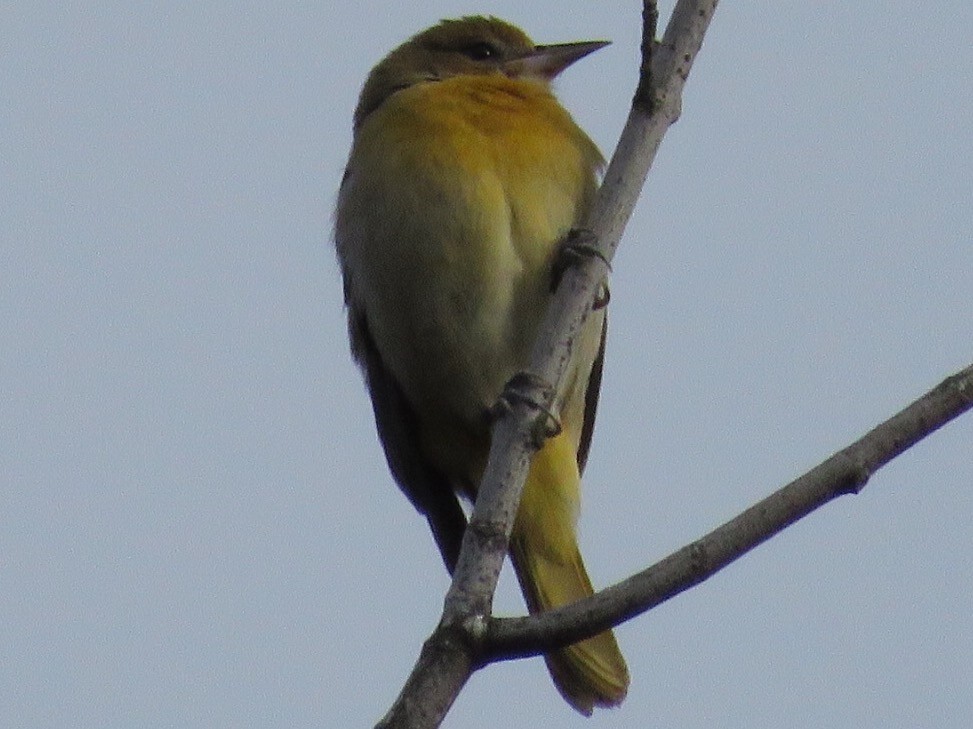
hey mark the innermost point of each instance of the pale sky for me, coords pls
(197, 526)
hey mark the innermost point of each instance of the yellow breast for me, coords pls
(457, 193)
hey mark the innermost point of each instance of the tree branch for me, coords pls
(846, 472)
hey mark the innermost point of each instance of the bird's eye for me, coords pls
(481, 51)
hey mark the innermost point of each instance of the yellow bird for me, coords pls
(464, 174)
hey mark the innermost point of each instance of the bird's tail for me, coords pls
(548, 564)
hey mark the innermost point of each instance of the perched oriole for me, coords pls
(464, 174)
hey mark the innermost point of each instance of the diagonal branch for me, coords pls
(514, 440)
(846, 472)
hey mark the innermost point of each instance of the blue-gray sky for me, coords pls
(197, 528)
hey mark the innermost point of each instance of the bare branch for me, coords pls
(514, 436)
(444, 666)
(846, 472)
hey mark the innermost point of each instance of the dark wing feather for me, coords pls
(398, 429)
(591, 399)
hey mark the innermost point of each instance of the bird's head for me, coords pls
(472, 46)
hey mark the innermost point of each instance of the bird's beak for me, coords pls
(546, 62)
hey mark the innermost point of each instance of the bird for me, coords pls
(464, 175)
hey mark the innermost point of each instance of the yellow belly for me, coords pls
(458, 192)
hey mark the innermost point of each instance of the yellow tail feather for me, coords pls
(548, 564)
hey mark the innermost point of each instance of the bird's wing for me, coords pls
(591, 399)
(398, 429)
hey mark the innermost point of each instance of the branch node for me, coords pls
(959, 383)
(856, 480)
(475, 629)
(854, 474)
